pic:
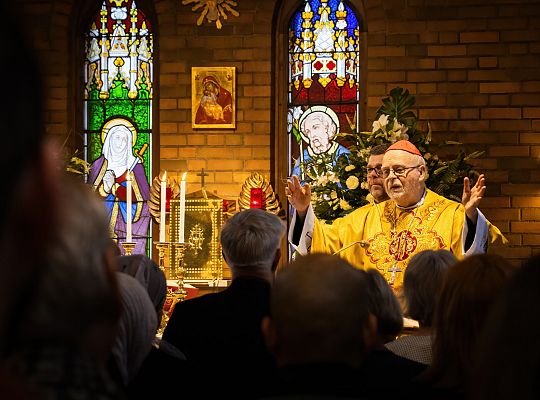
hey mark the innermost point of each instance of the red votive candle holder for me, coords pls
(168, 197)
(256, 198)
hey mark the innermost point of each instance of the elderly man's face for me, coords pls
(405, 190)
(375, 180)
(318, 132)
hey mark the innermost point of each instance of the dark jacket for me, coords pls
(220, 335)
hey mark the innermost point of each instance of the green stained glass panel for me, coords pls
(118, 91)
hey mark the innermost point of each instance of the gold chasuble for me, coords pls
(385, 237)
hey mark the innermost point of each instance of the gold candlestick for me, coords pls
(178, 269)
(128, 247)
(162, 247)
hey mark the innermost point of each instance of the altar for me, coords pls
(204, 216)
(191, 256)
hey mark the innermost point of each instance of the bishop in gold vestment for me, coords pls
(386, 235)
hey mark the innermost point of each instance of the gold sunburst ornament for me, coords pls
(213, 10)
(271, 203)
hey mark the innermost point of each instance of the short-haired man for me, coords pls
(375, 181)
(320, 329)
(220, 333)
(389, 233)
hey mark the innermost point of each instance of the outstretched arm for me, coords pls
(299, 196)
(472, 196)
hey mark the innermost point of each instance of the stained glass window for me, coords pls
(324, 88)
(118, 78)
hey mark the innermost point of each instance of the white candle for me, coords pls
(128, 207)
(182, 207)
(163, 198)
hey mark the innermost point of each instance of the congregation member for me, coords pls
(32, 175)
(380, 362)
(60, 345)
(58, 297)
(507, 358)
(319, 328)
(423, 280)
(220, 333)
(148, 274)
(470, 290)
(384, 305)
(386, 235)
(163, 362)
(136, 330)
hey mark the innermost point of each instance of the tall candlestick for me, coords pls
(182, 207)
(163, 198)
(128, 207)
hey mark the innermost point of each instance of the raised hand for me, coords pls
(472, 196)
(299, 196)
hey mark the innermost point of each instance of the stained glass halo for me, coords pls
(118, 121)
(324, 109)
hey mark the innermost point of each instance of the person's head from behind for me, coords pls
(507, 359)
(319, 312)
(384, 305)
(31, 168)
(422, 283)
(149, 275)
(74, 297)
(404, 172)
(136, 330)
(375, 180)
(251, 242)
(469, 291)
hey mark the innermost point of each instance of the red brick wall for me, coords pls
(473, 65)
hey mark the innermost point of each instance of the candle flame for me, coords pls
(184, 176)
(164, 176)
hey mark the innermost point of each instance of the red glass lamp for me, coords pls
(256, 199)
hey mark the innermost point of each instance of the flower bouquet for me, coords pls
(339, 186)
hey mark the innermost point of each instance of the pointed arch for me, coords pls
(320, 66)
(115, 50)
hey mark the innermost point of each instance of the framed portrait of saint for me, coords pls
(213, 97)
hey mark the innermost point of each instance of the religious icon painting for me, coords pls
(213, 97)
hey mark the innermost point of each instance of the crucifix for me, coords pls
(202, 174)
(393, 270)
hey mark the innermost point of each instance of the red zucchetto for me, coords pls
(405, 145)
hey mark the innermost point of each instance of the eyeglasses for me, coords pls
(398, 171)
(377, 170)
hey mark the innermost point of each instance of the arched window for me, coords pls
(118, 86)
(324, 81)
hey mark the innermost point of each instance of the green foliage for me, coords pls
(340, 186)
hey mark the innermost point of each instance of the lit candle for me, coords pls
(128, 207)
(163, 198)
(182, 207)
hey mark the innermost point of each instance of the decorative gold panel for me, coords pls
(202, 254)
